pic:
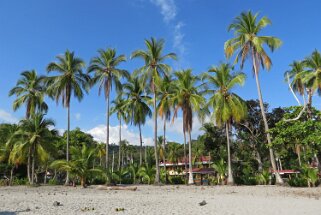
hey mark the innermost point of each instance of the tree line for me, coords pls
(155, 90)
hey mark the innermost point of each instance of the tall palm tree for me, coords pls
(164, 108)
(29, 91)
(188, 97)
(137, 104)
(249, 44)
(312, 75)
(107, 74)
(151, 72)
(228, 107)
(70, 80)
(34, 136)
(119, 108)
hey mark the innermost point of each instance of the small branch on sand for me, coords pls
(102, 187)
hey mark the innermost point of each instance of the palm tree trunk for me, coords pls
(119, 143)
(67, 147)
(33, 164)
(11, 175)
(141, 146)
(45, 177)
(230, 180)
(155, 137)
(113, 162)
(164, 148)
(184, 148)
(266, 126)
(29, 165)
(107, 136)
(190, 178)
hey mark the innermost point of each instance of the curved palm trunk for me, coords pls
(155, 137)
(230, 180)
(67, 147)
(141, 146)
(164, 147)
(107, 136)
(11, 175)
(119, 143)
(190, 175)
(266, 127)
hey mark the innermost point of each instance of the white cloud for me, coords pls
(6, 117)
(77, 116)
(178, 38)
(99, 133)
(167, 7)
(176, 128)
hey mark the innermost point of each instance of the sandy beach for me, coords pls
(241, 200)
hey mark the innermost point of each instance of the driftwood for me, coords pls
(102, 187)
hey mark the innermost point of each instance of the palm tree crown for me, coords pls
(227, 105)
(29, 91)
(70, 79)
(247, 41)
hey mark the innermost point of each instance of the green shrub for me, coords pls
(176, 179)
(53, 182)
(298, 182)
(262, 178)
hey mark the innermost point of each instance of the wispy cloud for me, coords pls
(7, 117)
(169, 11)
(99, 134)
(77, 116)
(167, 7)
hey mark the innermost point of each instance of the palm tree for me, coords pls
(137, 104)
(7, 132)
(147, 173)
(35, 137)
(119, 107)
(29, 91)
(173, 152)
(228, 107)
(312, 75)
(70, 80)
(151, 72)
(187, 96)
(248, 43)
(81, 165)
(295, 74)
(107, 74)
(164, 108)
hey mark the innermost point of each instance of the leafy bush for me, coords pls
(53, 181)
(176, 179)
(298, 182)
(262, 178)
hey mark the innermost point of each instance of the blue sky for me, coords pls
(34, 32)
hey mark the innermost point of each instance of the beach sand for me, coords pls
(238, 200)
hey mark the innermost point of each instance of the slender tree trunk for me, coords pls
(185, 149)
(83, 182)
(309, 105)
(119, 143)
(113, 162)
(33, 165)
(190, 175)
(164, 150)
(145, 155)
(259, 161)
(155, 136)
(67, 147)
(11, 175)
(230, 180)
(45, 177)
(266, 126)
(141, 146)
(29, 165)
(107, 136)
